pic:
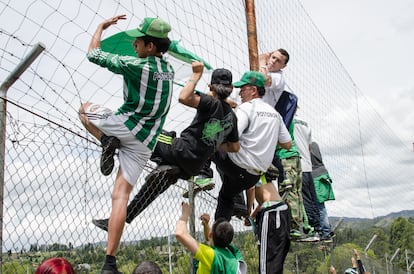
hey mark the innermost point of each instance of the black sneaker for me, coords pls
(109, 144)
(102, 223)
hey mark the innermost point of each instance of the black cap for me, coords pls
(221, 76)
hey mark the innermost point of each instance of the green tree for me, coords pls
(402, 236)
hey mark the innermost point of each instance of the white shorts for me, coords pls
(133, 155)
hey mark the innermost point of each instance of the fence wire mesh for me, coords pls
(52, 184)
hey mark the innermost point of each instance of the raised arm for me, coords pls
(97, 36)
(181, 231)
(263, 59)
(205, 219)
(187, 95)
(360, 265)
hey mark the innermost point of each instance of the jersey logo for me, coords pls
(215, 131)
(163, 76)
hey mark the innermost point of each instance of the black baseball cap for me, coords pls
(221, 76)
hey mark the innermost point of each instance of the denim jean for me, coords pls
(324, 221)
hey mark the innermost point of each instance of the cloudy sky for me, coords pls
(374, 40)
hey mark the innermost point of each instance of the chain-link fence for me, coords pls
(52, 184)
(53, 189)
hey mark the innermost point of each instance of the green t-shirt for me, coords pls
(227, 260)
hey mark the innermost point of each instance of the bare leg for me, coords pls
(85, 121)
(120, 196)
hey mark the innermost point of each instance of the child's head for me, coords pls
(221, 83)
(55, 266)
(278, 60)
(147, 267)
(223, 233)
(162, 44)
(151, 30)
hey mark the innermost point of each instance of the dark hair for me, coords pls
(222, 91)
(284, 53)
(147, 267)
(261, 91)
(162, 44)
(55, 266)
(223, 233)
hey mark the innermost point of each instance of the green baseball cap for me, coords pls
(154, 27)
(253, 78)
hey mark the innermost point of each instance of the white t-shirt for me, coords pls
(303, 139)
(260, 128)
(274, 91)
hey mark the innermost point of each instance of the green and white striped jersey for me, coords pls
(148, 88)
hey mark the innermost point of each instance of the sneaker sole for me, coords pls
(98, 224)
(164, 171)
(308, 240)
(107, 157)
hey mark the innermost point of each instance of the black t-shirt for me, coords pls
(214, 124)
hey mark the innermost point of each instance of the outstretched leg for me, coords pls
(158, 181)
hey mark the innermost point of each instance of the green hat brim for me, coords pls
(135, 33)
(239, 84)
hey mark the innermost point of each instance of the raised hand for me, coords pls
(112, 21)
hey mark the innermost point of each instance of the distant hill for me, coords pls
(347, 222)
(362, 223)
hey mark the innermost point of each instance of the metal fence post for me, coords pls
(191, 199)
(8, 82)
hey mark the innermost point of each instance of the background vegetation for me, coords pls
(392, 233)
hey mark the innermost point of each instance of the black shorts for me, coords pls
(273, 227)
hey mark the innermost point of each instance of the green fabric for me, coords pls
(162, 138)
(293, 151)
(122, 44)
(226, 260)
(185, 55)
(323, 188)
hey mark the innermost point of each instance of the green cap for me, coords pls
(253, 78)
(154, 27)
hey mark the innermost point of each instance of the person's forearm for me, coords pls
(181, 227)
(206, 231)
(250, 199)
(187, 92)
(96, 38)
